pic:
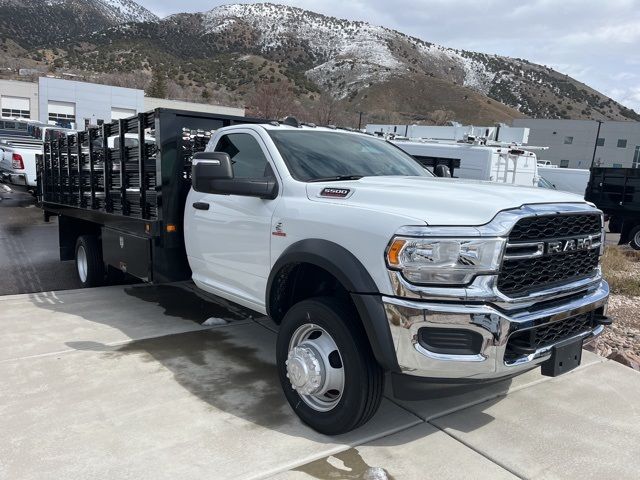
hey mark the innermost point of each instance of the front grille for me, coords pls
(528, 341)
(532, 229)
(519, 277)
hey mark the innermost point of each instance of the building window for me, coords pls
(617, 165)
(564, 163)
(622, 143)
(636, 157)
(600, 142)
(568, 140)
(13, 113)
(62, 119)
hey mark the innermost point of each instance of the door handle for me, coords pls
(201, 205)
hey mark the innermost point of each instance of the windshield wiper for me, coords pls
(336, 178)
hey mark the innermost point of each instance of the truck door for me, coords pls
(232, 233)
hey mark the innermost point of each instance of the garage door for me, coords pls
(117, 113)
(63, 113)
(15, 107)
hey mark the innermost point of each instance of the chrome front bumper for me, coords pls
(407, 316)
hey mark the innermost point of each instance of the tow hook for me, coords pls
(602, 320)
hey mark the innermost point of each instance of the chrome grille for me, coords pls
(527, 267)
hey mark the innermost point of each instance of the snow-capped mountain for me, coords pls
(43, 22)
(122, 11)
(232, 49)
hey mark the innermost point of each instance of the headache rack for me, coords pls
(130, 176)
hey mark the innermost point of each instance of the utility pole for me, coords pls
(595, 146)
(360, 120)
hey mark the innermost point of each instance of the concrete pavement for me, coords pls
(126, 382)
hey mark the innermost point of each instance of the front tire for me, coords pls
(326, 367)
(89, 264)
(634, 235)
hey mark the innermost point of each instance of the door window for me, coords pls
(247, 157)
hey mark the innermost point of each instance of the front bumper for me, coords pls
(407, 316)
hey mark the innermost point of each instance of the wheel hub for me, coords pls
(305, 370)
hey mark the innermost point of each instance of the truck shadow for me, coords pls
(231, 367)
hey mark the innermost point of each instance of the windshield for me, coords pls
(316, 155)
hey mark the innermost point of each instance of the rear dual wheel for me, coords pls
(89, 264)
(326, 367)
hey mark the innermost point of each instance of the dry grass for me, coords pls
(621, 268)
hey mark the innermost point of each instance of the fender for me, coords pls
(355, 278)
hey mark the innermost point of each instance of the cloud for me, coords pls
(594, 41)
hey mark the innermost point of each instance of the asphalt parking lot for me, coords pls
(125, 382)
(29, 248)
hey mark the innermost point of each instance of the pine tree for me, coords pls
(158, 86)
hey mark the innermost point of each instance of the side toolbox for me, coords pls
(128, 253)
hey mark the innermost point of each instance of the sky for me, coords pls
(595, 41)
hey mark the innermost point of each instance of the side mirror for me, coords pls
(212, 173)
(210, 166)
(442, 171)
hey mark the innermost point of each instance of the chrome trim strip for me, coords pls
(447, 357)
(538, 253)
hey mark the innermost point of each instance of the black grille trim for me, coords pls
(547, 334)
(520, 277)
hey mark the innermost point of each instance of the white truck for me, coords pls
(573, 180)
(371, 266)
(18, 152)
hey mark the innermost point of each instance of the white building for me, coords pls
(578, 143)
(68, 102)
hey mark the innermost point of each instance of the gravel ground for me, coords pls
(624, 334)
(621, 341)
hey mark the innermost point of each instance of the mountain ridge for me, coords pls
(231, 51)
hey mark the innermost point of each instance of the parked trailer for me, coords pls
(616, 191)
(128, 196)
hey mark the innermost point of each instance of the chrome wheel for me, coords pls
(314, 367)
(636, 238)
(82, 263)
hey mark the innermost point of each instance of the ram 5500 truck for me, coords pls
(371, 266)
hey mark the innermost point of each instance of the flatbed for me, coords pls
(128, 190)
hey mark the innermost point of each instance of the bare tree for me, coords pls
(271, 100)
(325, 111)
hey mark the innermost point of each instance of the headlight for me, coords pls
(444, 261)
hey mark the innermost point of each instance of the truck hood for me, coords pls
(435, 201)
